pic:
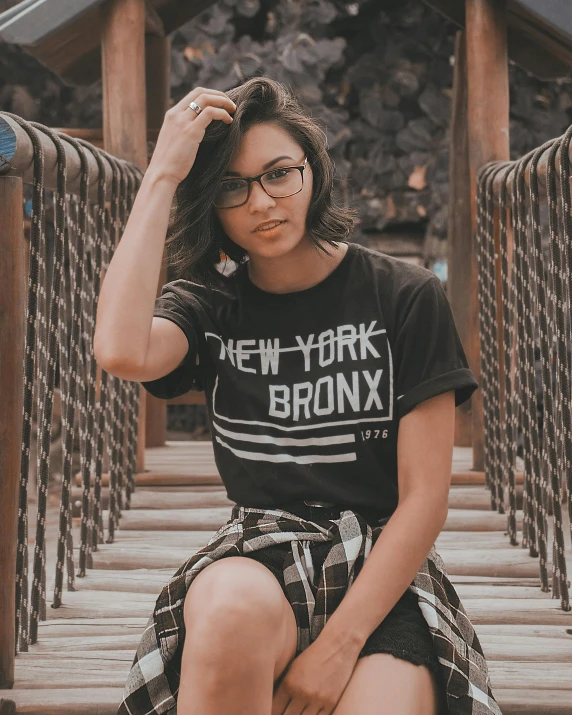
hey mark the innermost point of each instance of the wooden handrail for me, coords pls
(541, 172)
(17, 152)
(189, 398)
(94, 135)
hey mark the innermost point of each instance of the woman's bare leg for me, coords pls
(384, 685)
(241, 635)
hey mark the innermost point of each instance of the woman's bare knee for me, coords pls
(233, 607)
(235, 602)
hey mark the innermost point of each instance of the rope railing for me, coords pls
(535, 308)
(92, 195)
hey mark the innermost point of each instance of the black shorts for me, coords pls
(403, 633)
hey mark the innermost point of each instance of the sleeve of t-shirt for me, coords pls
(428, 354)
(175, 304)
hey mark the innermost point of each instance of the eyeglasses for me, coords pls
(278, 183)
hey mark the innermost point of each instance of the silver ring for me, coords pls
(195, 106)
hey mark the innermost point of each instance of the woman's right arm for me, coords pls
(124, 322)
(129, 342)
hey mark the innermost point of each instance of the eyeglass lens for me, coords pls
(278, 183)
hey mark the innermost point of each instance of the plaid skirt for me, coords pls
(153, 681)
(403, 633)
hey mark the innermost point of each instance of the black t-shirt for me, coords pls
(305, 390)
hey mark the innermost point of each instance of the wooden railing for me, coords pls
(525, 287)
(48, 329)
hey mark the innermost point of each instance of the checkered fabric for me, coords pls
(153, 681)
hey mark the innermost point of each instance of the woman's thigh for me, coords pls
(382, 684)
(237, 600)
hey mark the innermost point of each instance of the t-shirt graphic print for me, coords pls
(305, 390)
(306, 394)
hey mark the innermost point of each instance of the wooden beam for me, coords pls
(124, 107)
(532, 42)
(12, 317)
(158, 92)
(123, 64)
(72, 52)
(488, 134)
(189, 398)
(175, 13)
(459, 237)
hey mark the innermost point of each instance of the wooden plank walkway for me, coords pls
(85, 648)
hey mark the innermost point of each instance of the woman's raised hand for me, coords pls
(183, 130)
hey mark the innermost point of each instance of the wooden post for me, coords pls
(459, 237)
(124, 105)
(158, 65)
(488, 132)
(12, 319)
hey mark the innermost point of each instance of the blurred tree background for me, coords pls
(378, 74)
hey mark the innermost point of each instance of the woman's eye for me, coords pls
(230, 185)
(276, 173)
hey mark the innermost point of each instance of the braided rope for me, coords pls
(566, 248)
(133, 390)
(76, 253)
(508, 298)
(64, 352)
(89, 309)
(531, 439)
(126, 388)
(519, 309)
(113, 404)
(490, 343)
(47, 367)
(558, 295)
(485, 245)
(104, 253)
(537, 280)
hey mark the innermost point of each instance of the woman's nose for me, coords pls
(258, 195)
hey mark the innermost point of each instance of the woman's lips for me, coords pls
(270, 230)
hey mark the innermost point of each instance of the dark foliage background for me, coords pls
(380, 79)
(378, 75)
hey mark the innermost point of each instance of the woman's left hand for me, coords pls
(315, 680)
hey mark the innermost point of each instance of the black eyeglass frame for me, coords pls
(258, 178)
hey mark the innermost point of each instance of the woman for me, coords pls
(331, 377)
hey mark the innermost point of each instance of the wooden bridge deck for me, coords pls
(85, 648)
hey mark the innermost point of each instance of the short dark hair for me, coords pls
(196, 241)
